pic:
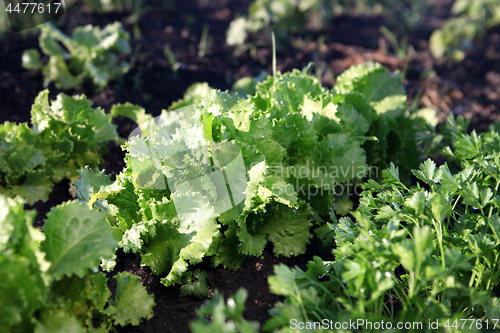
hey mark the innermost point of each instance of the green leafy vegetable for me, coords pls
(89, 53)
(66, 134)
(225, 176)
(48, 279)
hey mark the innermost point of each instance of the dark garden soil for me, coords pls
(470, 88)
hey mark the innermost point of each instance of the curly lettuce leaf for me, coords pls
(285, 93)
(287, 228)
(170, 251)
(162, 250)
(120, 201)
(224, 250)
(383, 90)
(21, 266)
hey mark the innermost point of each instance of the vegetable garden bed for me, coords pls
(470, 88)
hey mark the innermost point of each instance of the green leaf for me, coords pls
(121, 200)
(36, 186)
(273, 152)
(322, 113)
(207, 121)
(48, 43)
(472, 195)
(104, 130)
(31, 59)
(492, 310)
(76, 239)
(428, 173)
(132, 239)
(272, 91)
(170, 250)
(245, 86)
(429, 115)
(131, 303)
(344, 157)
(75, 108)
(287, 228)
(131, 111)
(162, 250)
(467, 146)
(85, 36)
(391, 175)
(417, 203)
(26, 158)
(205, 231)
(456, 260)
(283, 281)
(377, 151)
(494, 223)
(90, 183)
(196, 284)
(57, 71)
(224, 250)
(225, 316)
(345, 231)
(40, 116)
(352, 121)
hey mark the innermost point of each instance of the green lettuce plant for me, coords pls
(66, 134)
(50, 281)
(224, 177)
(90, 53)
